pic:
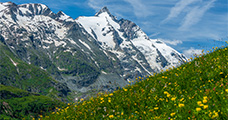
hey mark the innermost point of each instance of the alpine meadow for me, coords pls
(162, 66)
(196, 90)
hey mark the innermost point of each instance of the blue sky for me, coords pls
(186, 25)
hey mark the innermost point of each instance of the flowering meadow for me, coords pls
(197, 89)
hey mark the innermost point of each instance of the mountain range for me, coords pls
(42, 51)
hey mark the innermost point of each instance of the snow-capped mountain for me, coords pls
(123, 37)
(97, 52)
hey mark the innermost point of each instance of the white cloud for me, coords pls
(96, 4)
(195, 15)
(140, 9)
(115, 7)
(178, 8)
(190, 52)
(154, 34)
(193, 11)
(173, 42)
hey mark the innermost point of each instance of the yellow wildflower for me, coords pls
(205, 97)
(156, 108)
(204, 101)
(124, 89)
(198, 109)
(173, 98)
(205, 106)
(215, 115)
(199, 102)
(166, 92)
(227, 90)
(111, 116)
(172, 114)
(181, 105)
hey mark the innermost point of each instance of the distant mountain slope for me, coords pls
(123, 37)
(14, 72)
(90, 53)
(17, 104)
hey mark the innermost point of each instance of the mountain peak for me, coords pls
(62, 16)
(60, 13)
(103, 10)
(8, 3)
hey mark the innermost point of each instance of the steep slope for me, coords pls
(57, 44)
(16, 104)
(87, 54)
(195, 90)
(14, 72)
(123, 37)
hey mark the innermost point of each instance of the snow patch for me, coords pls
(141, 64)
(58, 43)
(7, 3)
(2, 7)
(119, 54)
(66, 18)
(62, 69)
(86, 45)
(103, 72)
(24, 10)
(146, 47)
(72, 42)
(60, 32)
(95, 62)
(12, 47)
(137, 69)
(47, 41)
(109, 55)
(42, 68)
(14, 63)
(166, 51)
(101, 25)
(46, 47)
(68, 50)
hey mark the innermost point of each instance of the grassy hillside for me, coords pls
(195, 90)
(17, 104)
(17, 73)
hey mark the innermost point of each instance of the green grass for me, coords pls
(195, 90)
(26, 76)
(23, 76)
(17, 104)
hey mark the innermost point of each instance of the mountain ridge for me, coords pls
(88, 53)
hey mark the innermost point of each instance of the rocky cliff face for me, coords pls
(98, 52)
